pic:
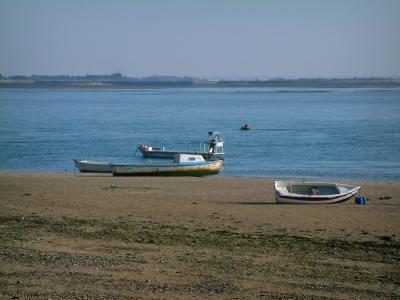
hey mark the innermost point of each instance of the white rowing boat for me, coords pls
(297, 192)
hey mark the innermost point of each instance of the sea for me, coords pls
(351, 134)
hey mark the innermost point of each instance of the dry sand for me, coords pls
(97, 236)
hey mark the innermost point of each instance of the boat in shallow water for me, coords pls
(93, 166)
(213, 148)
(245, 127)
(183, 165)
(298, 192)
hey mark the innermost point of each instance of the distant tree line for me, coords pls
(92, 77)
(163, 81)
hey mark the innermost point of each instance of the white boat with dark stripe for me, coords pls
(183, 165)
(299, 192)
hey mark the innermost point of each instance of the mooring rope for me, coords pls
(229, 172)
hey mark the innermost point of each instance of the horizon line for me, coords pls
(118, 75)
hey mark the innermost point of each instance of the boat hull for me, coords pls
(344, 193)
(209, 168)
(86, 166)
(313, 199)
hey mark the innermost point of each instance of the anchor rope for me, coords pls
(229, 172)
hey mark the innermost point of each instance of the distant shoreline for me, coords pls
(127, 83)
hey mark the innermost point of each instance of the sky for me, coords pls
(212, 39)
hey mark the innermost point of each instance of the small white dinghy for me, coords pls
(298, 192)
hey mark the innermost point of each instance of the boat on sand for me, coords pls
(90, 166)
(183, 165)
(299, 192)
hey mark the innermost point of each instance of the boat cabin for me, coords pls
(188, 159)
(150, 148)
(214, 146)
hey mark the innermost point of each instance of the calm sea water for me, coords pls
(327, 134)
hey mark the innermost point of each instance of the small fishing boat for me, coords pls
(293, 192)
(213, 148)
(93, 166)
(183, 165)
(245, 127)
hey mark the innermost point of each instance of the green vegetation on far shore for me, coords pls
(117, 80)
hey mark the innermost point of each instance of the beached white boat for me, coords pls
(213, 148)
(183, 165)
(293, 192)
(93, 166)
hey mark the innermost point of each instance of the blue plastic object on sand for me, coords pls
(361, 200)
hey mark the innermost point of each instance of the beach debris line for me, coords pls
(114, 187)
(111, 187)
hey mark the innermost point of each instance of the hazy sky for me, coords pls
(211, 39)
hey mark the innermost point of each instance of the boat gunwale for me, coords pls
(184, 164)
(203, 169)
(147, 153)
(93, 162)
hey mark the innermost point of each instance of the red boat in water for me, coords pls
(245, 127)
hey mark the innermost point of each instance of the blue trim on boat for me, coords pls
(193, 163)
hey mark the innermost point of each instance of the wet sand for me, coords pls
(98, 236)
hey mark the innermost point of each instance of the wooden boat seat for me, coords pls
(313, 190)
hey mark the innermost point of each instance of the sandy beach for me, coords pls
(93, 236)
